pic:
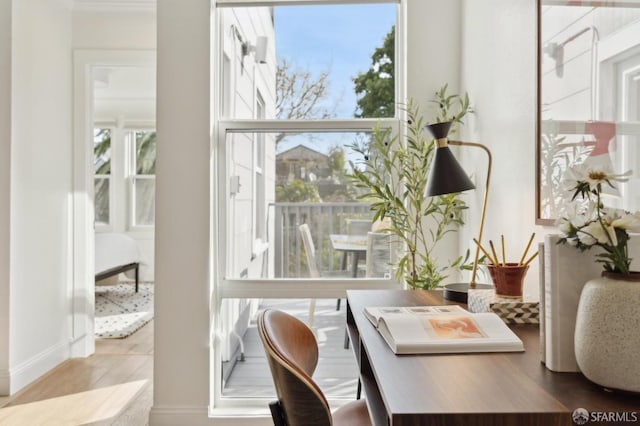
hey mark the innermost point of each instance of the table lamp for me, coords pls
(445, 177)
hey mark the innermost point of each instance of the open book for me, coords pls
(442, 329)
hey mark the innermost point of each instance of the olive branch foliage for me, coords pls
(392, 176)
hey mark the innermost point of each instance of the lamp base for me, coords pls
(457, 292)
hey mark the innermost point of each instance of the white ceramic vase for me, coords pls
(607, 335)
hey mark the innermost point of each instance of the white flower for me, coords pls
(594, 175)
(596, 232)
(586, 222)
(564, 225)
(628, 221)
(576, 213)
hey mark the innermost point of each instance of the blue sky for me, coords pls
(337, 38)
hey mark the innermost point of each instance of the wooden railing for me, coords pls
(323, 219)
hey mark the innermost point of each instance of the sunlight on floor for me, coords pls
(75, 409)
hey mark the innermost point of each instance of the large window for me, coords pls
(298, 85)
(124, 178)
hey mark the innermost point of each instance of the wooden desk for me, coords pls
(466, 389)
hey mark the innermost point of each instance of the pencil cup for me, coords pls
(508, 279)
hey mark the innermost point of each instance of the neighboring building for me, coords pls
(313, 167)
(301, 162)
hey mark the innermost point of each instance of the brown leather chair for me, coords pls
(292, 352)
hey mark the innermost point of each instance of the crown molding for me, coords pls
(115, 5)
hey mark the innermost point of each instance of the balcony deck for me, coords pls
(337, 372)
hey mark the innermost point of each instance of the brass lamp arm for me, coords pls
(472, 283)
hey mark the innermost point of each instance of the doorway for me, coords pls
(114, 96)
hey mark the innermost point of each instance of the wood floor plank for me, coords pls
(112, 386)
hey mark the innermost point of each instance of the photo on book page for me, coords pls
(451, 327)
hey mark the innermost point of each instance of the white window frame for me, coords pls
(225, 287)
(259, 211)
(132, 176)
(101, 226)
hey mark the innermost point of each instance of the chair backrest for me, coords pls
(358, 226)
(378, 254)
(310, 250)
(292, 353)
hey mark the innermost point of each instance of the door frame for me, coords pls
(82, 291)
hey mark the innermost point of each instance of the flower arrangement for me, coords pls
(586, 222)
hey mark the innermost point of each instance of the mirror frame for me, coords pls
(612, 56)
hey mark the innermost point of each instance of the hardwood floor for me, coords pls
(114, 386)
(111, 387)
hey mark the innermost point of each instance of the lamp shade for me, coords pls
(446, 175)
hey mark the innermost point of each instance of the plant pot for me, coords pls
(508, 279)
(607, 335)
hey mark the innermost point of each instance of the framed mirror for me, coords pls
(588, 98)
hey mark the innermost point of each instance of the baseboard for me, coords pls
(33, 368)
(171, 416)
(5, 382)
(196, 416)
(82, 346)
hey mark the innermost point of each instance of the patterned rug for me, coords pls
(120, 310)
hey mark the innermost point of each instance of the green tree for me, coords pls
(297, 191)
(146, 153)
(375, 88)
(101, 166)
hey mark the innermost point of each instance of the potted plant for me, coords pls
(392, 176)
(607, 337)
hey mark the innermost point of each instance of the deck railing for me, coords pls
(323, 219)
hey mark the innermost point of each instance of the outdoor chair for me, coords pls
(312, 264)
(292, 354)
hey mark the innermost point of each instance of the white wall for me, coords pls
(433, 49)
(183, 227)
(499, 72)
(40, 231)
(114, 30)
(5, 182)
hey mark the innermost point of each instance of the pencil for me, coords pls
(504, 258)
(530, 259)
(526, 250)
(493, 250)
(493, 262)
